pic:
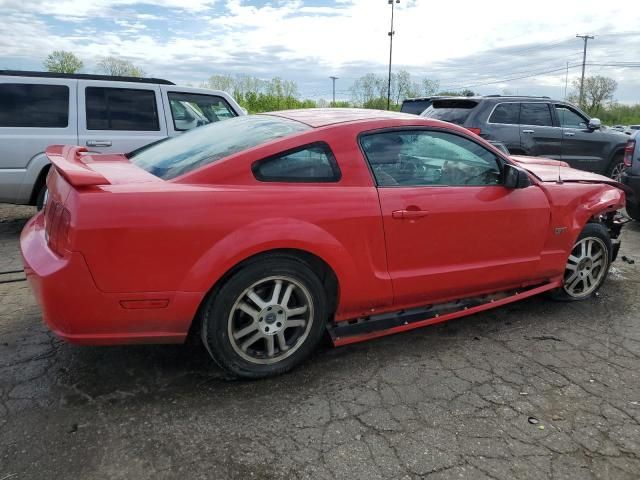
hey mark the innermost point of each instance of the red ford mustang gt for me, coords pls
(262, 232)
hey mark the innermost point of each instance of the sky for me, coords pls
(485, 46)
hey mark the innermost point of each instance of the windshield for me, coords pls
(201, 146)
(454, 111)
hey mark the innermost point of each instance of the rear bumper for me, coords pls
(77, 311)
(633, 182)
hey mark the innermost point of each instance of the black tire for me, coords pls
(617, 166)
(599, 234)
(220, 315)
(40, 198)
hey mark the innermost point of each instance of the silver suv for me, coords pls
(103, 113)
(538, 126)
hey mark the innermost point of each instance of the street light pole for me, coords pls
(391, 34)
(334, 90)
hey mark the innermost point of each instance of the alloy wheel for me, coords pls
(616, 172)
(270, 320)
(586, 267)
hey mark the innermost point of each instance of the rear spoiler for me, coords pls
(68, 162)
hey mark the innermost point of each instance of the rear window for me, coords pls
(415, 107)
(454, 111)
(207, 144)
(33, 105)
(121, 109)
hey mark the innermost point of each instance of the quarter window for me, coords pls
(311, 163)
(34, 105)
(413, 158)
(535, 114)
(570, 119)
(190, 110)
(508, 113)
(121, 109)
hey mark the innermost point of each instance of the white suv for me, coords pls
(103, 113)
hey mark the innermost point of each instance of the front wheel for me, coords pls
(266, 319)
(588, 264)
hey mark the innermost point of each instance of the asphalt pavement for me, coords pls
(534, 390)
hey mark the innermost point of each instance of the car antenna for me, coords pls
(559, 177)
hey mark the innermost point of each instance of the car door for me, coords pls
(451, 228)
(538, 135)
(188, 108)
(582, 147)
(119, 116)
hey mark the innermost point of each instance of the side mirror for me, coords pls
(515, 177)
(595, 124)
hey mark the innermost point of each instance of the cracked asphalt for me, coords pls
(445, 402)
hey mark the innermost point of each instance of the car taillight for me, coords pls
(628, 152)
(474, 130)
(57, 225)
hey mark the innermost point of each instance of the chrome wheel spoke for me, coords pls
(270, 345)
(297, 311)
(245, 331)
(571, 278)
(246, 344)
(277, 287)
(571, 267)
(287, 295)
(574, 259)
(256, 299)
(282, 342)
(248, 310)
(296, 323)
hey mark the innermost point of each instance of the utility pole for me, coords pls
(391, 34)
(566, 82)
(586, 38)
(334, 90)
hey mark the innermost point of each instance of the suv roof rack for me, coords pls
(84, 76)
(516, 96)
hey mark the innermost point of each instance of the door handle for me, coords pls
(569, 134)
(408, 214)
(98, 143)
(528, 131)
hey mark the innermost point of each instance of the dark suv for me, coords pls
(538, 126)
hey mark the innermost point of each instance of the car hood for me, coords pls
(548, 170)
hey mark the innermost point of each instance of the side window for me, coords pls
(311, 163)
(413, 158)
(535, 114)
(34, 105)
(570, 119)
(121, 109)
(508, 113)
(190, 110)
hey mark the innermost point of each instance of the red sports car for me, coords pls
(262, 232)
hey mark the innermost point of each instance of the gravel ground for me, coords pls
(451, 401)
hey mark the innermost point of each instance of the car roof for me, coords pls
(322, 117)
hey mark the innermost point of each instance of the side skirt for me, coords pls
(374, 326)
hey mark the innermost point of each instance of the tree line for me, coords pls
(368, 91)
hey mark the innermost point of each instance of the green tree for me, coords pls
(598, 92)
(119, 67)
(61, 61)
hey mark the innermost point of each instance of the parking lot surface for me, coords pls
(534, 390)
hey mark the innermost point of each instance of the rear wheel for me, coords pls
(588, 264)
(266, 319)
(616, 168)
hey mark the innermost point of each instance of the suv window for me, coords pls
(121, 109)
(535, 114)
(569, 118)
(34, 105)
(311, 163)
(190, 110)
(413, 158)
(508, 113)
(454, 111)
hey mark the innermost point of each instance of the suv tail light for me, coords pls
(57, 225)
(474, 130)
(628, 152)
